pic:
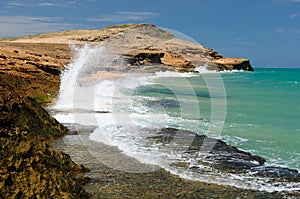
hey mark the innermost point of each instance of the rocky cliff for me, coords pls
(140, 45)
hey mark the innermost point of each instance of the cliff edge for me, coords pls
(144, 44)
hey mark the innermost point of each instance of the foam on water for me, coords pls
(204, 70)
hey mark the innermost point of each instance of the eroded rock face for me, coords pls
(33, 69)
(222, 63)
(142, 44)
(167, 60)
(179, 55)
(233, 64)
(25, 114)
(29, 167)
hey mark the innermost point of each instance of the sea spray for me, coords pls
(145, 111)
(127, 119)
(87, 61)
(81, 61)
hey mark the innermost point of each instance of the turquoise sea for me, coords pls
(262, 111)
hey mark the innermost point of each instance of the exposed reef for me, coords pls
(225, 158)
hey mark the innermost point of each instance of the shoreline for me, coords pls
(31, 72)
(111, 183)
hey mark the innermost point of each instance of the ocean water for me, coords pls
(254, 111)
(263, 109)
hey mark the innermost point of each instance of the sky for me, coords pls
(265, 31)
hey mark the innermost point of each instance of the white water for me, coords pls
(127, 123)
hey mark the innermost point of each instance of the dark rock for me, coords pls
(36, 170)
(227, 158)
(277, 172)
(27, 115)
(166, 135)
(8, 181)
(3, 57)
(145, 58)
(46, 68)
(166, 103)
(229, 153)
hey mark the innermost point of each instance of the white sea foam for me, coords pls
(204, 70)
(161, 74)
(65, 118)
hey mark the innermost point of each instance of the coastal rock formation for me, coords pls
(33, 68)
(225, 63)
(233, 64)
(29, 166)
(138, 44)
(25, 114)
(29, 73)
(30, 70)
(166, 60)
(226, 158)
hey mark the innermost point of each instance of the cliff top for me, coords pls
(147, 40)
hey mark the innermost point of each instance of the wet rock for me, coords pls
(228, 154)
(277, 172)
(166, 103)
(227, 158)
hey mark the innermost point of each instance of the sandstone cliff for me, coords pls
(142, 44)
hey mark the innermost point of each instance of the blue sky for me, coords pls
(265, 31)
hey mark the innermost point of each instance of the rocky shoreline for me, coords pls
(30, 70)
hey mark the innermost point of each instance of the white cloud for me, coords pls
(124, 16)
(47, 4)
(293, 16)
(288, 30)
(17, 4)
(70, 3)
(14, 26)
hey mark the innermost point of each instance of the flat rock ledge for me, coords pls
(226, 158)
